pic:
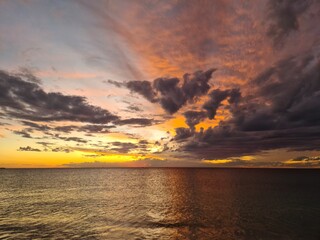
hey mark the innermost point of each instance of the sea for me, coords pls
(160, 203)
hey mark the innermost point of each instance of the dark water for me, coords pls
(159, 204)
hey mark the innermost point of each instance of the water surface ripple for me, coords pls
(159, 204)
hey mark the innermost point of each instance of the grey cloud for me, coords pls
(23, 133)
(134, 108)
(115, 83)
(45, 144)
(92, 155)
(287, 95)
(306, 159)
(224, 142)
(137, 122)
(282, 111)
(119, 147)
(28, 101)
(95, 128)
(73, 139)
(28, 75)
(90, 128)
(216, 97)
(144, 88)
(122, 147)
(284, 17)
(183, 133)
(35, 126)
(194, 117)
(173, 93)
(29, 149)
(61, 149)
(65, 129)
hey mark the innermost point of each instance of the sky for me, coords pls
(181, 83)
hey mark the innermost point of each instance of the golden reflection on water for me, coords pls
(190, 193)
(159, 204)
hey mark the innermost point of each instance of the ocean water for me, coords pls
(159, 204)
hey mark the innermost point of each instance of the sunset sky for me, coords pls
(214, 83)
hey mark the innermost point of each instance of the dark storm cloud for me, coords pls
(27, 100)
(183, 133)
(287, 96)
(282, 111)
(194, 117)
(284, 15)
(144, 88)
(29, 149)
(222, 142)
(173, 93)
(216, 97)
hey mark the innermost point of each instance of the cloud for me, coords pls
(173, 93)
(287, 96)
(62, 149)
(115, 83)
(216, 97)
(29, 149)
(139, 162)
(101, 164)
(134, 108)
(35, 126)
(123, 147)
(23, 133)
(27, 75)
(28, 101)
(183, 133)
(303, 161)
(141, 122)
(280, 111)
(118, 147)
(194, 117)
(73, 139)
(306, 159)
(48, 146)
(144, 88)
(45, 144)
(284, 17)
(89, 128)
